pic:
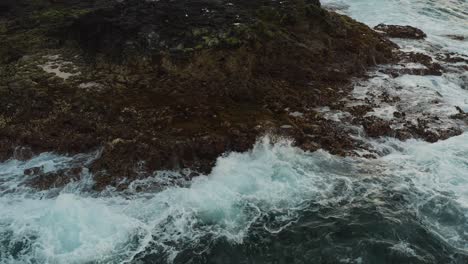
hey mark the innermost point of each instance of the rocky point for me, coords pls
(153, 85)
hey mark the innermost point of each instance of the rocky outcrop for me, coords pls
(395, 31)
(174, 84)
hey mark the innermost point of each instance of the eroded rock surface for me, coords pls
(174, 84)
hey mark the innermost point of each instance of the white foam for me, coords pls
(404, 248)
(438, 175)
(78, 227)
(436, 18)
(432, 100)
(68, 229)
(384, 112)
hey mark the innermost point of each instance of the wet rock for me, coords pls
(23, 153)
(399, 114)
(360, 110)
(376, 127)
(56, 179)
(395, 31)
(462, 115)
(309, 146)
(33, 171)
(457, 37)
(422, 129)
(452, 58)
(434, 136)
(428, 65)
(177, 85)
(403, 134)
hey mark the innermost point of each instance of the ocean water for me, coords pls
(275, 203)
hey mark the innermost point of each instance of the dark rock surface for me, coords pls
(174, 84)
(429, 66)
(395, 31)
(457, 37)
(376, 127)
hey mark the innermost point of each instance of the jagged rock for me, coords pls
(376, 127)
(429, 67)
(42, 181)
(395, 31)
(181, 82)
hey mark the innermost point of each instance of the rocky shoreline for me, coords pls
(163, 85)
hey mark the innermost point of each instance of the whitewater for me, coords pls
(275, 203)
